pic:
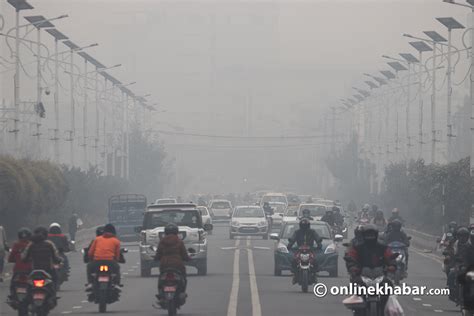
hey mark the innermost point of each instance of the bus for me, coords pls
(125, 213)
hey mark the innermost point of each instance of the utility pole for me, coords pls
(84, 119)
(333, 131)
(73, 109)
(56, 102)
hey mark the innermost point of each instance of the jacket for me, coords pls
(15, 257)
(172, 253)
(363, 256)
(60, 241)
(105, 247)
(42, 254)
(400, 236)
(304, 237)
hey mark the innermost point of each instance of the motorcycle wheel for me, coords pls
(102, 301)
(397, 277)
(172, 308)
(373, 310)
(304, 281)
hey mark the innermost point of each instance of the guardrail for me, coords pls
(423, 241)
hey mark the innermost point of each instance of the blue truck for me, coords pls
(125, 213)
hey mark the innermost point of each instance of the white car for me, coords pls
(248, 221)
(206, 216)
(279, 209)
(290, 215)
(166, 201)
(317, 210)
(220, 209)
(274, 198)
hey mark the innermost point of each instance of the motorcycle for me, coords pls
(62, 271)
(368, 305)
(18, 299)
(400, 249)
(42, 294)
(171, 289)
(105, 288)
(305, 273)
(340, 230)
(467, 294)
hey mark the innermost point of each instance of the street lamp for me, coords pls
(450, 24)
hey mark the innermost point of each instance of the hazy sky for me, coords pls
(212, 63)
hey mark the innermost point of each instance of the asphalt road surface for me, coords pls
(240, 282)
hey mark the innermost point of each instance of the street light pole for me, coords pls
(56, 103)
(73, 110)
(84, 118)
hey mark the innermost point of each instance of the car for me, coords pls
(192, 231)
(279, 209)
(317, 210)
(326, 257)
(220, 209)
(248, 221)
(305, 198)
(166, 201)
(274, 197)
(206, 216)
(290, 215)
(293, 199)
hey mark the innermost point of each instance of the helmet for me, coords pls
(453, 225)
(99, 231)
(55, 228)
(40, 233)
(396, 225)
(304, 224)
(379, 214)
(24, 233)
(462, 234)
(358, 231)
(395, 211)
(109, 228)
(366, 207)
(171, 229)
(370, 234)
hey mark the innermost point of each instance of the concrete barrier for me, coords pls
(423, 241)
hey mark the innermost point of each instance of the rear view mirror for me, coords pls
(208, 227)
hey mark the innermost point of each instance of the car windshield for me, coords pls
(165, 201)
(221, 205)
(181, 218)
(321, 229)
(203, 211)
(315, 210)
(248, 212)
(274, 198)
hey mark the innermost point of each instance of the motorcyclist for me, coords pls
(373, 210)
(305, 235)
(172, 253)
(338, 218)
(20, 267)
(369, 254)
(460, 251)
(397, 234)
(467, 263)
(364, 213)
(379, 220)
(60, 240)
(267, 209)
(329, 218)
(358, 238)
(42, 253)
(396, 215)
(98, 232)
(104, 248)
(306, 213)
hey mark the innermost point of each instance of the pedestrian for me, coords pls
(73, 225)
(3, 250)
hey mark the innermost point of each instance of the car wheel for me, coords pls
(202, 269)
(277, 271)
(334, 272)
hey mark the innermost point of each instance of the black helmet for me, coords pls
(99, 231)
(453, 225)
(370, 234)
(109, 228)
(24, 233)
(462, 234)
(396, 225)
(171, 229)
(304, 224)
(40, 233)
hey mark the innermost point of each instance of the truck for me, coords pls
(125, 213)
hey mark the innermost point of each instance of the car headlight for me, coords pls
(264, 223)
(235, 224)
(330, 249)
(282, 249)
(470, 275)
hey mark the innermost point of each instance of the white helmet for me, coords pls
(54, 225)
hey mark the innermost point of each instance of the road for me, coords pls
(240, 282)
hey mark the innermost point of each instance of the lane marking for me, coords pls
(229, 248)
(256, 307)
(417, 299)
(76, 307)
(66, 312)
(84, 301)
(432, 257)
(234, 293)
(259, 247)
(427, 305)
(438, 311)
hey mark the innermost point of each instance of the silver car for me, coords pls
(248, 221)
(206, 216)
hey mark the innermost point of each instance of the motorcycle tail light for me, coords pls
(170, 277)
(104, 268)
(38, 283)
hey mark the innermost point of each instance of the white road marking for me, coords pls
(234, 292)
(125, 273)
(438, 311)
(427, 305)
(228, 248)
(76, 307)
(263, 248)
(417, 299)
(432, 257)
(66, 312)
(256, 307)
(84, 301)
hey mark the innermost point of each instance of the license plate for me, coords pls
(21, 290)
(39, 296)
(104, 278)
(170, 289)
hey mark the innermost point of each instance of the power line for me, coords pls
(239, 137)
